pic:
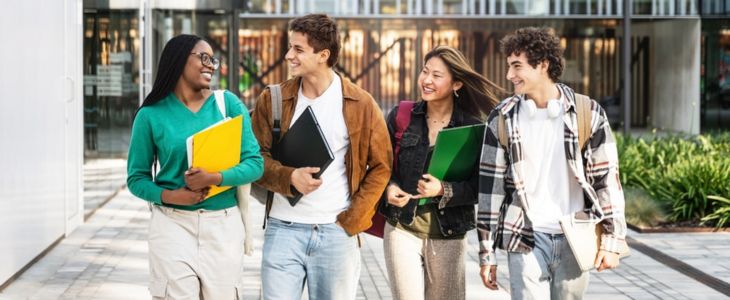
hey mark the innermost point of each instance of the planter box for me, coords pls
(642, 229)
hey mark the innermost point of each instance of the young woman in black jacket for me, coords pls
(421, 241)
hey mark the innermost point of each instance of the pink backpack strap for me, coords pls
(402, 119)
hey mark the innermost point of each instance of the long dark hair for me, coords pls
(478, 96)
(173, 59)
(172, 63)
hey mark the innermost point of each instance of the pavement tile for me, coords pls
(106, 258)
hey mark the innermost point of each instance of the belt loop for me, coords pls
(226, 211)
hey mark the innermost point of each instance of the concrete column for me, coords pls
(675, 104)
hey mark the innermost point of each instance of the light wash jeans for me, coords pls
(549, 271)
(322, 256)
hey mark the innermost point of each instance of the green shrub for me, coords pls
(641, 209)
(721, 215)
(687, 184)
(687, 175)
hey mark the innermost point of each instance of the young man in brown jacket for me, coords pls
(315, 242)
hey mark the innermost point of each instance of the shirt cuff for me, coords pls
(226, 178)
(157, 195)
(487, 259)
(611, 243)
(448, 194)
(487, 255)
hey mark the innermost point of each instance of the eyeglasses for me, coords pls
(208, 60)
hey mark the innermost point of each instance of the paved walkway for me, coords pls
(708, 252)
(106, 258)
(102, 178)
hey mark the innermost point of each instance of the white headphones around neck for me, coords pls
(553, 108)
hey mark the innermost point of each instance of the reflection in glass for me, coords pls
(111, 96)
(211, 26)
(715, 76)
(484, 7)
(111, 81)
(384, 56)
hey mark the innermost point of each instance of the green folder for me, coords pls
(456, 153)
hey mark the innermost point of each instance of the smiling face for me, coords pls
(301, 57)
(525, 78)
(436, 82)
(196, 74)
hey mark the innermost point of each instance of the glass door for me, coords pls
(111, 96)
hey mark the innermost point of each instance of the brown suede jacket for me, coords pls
(368, 159)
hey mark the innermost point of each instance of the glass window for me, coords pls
(213, 27)
(111, 96)
(715, 75)
(384, 56)
(111, 81)
(262, 46)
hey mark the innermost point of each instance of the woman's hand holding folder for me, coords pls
(197, 179)
(183, 196)
(429, 186)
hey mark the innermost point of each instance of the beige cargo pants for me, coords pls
(195, 254)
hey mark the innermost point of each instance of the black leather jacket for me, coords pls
(456, 208)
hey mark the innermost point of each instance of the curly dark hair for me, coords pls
(321, 32)
(538, 44)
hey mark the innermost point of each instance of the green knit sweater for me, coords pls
(163, 128)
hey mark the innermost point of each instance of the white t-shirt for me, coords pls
(551, 189)
(332, 197)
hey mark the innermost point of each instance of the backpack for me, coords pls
(242, 191)
(582, 107)
(259, 192)
(402, 119)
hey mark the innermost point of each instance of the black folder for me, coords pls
(304, 145)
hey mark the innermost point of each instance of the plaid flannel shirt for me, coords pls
(503, 215)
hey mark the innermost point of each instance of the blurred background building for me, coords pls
(75, 72)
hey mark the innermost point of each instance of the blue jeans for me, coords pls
(321, 255)
(549, 269)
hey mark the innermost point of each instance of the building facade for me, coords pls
(678, 60)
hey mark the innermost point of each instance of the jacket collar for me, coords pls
(457, 116)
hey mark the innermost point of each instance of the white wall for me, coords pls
(40, 127)
(675, 102)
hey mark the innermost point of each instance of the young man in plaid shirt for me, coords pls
(543, 174)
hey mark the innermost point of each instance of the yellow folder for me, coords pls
(216, 148)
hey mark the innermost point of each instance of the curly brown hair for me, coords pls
(538, 44)
(321, 32)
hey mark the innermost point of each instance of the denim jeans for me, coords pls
(549, 271)
(322, 256)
